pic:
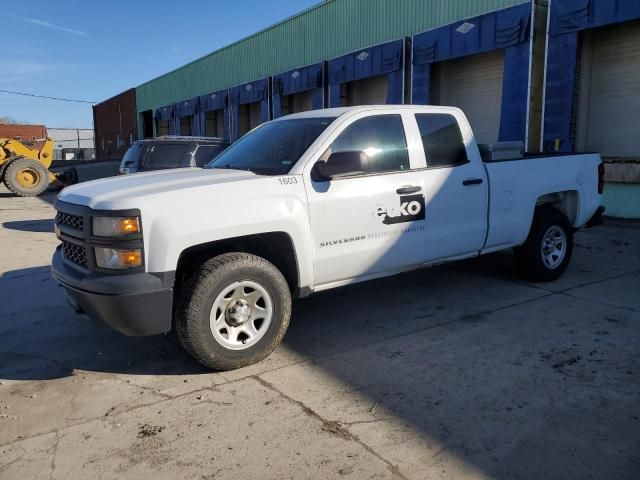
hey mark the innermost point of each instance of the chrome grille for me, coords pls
(71, 221)
(74, 253)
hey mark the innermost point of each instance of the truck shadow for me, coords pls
(48, 196)
(42, 338)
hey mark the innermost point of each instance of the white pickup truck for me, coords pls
(305, 203)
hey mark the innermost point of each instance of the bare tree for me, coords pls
(8, 120)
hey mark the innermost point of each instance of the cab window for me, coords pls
(381, 138)
(441, 139)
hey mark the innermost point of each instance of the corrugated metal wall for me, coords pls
(323, 32)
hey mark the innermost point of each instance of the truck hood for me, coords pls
(125, 191)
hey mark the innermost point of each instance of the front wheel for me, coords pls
(26, 178)
(547, 251)
(234, 311)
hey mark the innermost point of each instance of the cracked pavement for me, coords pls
(458, 372)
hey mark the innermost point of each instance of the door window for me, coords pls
(441, 139)
(381, 137)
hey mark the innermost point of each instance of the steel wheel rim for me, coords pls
(241, 315)
(28, 177)
(554, 247)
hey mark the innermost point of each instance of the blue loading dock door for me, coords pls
(186, 115)
(249, 104)
(378, 71)
(508, 30)
(298, 90)
(165, 121)
(213, 114)
(568, 18)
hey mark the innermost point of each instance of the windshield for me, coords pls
(274, 148)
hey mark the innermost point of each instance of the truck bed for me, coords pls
(517, 185)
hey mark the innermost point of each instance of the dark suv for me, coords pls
(170, 152)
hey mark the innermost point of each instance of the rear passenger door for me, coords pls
(455, 187)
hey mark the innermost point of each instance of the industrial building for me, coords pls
(559, 75)
(115, 124)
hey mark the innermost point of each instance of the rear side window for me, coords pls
(166, 155)
(206, 153)
(441, 139)
(381, 137)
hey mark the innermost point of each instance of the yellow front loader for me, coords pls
(23, 170)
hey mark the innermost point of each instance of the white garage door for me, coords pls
(368, 91)
(609, 100)
(473, 84)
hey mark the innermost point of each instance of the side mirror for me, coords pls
(340, 163)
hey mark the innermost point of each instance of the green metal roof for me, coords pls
(322, 32)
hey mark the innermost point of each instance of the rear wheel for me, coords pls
(547, 251)
(26, 178)
(234, 311)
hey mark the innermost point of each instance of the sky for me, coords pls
(94, 49)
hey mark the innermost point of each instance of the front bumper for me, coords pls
(137, 305)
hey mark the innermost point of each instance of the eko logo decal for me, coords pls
(411, 209)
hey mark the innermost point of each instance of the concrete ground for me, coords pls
(462, 371)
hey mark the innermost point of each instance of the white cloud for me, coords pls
(42, 23)
(18, 70)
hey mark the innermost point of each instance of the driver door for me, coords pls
(369, 222)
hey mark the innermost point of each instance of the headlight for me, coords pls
(117, 259)
(115, 226)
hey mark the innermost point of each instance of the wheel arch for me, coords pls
(566, 202)
(276, 247)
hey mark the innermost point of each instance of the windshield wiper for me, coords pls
(229, 167)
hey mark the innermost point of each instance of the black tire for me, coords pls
(17, 169)
(529, 256)
(199, 294)
(4, 166)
